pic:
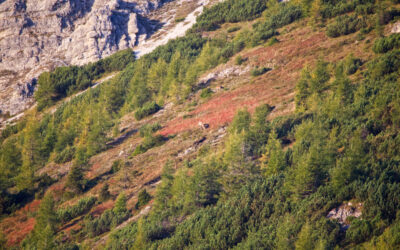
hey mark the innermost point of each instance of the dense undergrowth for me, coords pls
(346, 149)
(270, 186)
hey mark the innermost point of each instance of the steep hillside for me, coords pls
(39, 36)
(266, 126)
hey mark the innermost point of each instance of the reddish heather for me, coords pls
(275, 87)
(98, 210)
(17, 227)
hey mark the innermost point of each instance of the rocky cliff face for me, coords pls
(38, 35)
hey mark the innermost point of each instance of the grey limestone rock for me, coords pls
(39, 35)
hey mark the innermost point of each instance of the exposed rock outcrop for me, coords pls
(344, 211)
(39, 35)
(395, 28)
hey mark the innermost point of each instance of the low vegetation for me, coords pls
(83, 206)
(64, 81)
(272, 180)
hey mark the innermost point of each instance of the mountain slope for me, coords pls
(39, 37)
(264, 128)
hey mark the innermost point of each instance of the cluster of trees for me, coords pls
(386, 44)
(230, 11)
(108, 219)
(80, 128)
(255, 192)
(346, 148)
(64, 81)
(344, 25)
(69, 213)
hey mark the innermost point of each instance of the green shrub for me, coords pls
(148, 143)
(385, 44)
(272, 41)
(180, 19)
(104, 193)
(143, 199)
(65, 156)
(97, 226)
(285, 15)
(233, 29)
(239, 60)
(259, 71)
(385, 16)
(335, 8)
(64, 81)
(147, 109)
(149, 129)
(205, 93)
(344, 25)
(358, 231)
(116, 166)
(229, 11)
(83, 206)
(351, 64)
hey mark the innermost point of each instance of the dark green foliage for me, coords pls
(66, 155)
(149, 142)
(358, 231)
(104, 223)
(147, 109)
(10, 162)
(384, 16)
(331, 9)
(205, 93)
(122, 239)
(285, 15)
(189, 46)
(64, 81)
(385, 44)
(260, 129)
(385, 65)
(8, 131)
(342, 145)
(104, 193)
(229, 11)
(83, 206)
(120, 204)
(259, 71)
(79, 128)
(205, 186)
(143, 199)
(241, 122)
(341, 152)
(311, 83)
(344, 25)
(233, 29)
(43, 234)
(351, 64)
(109, 219)
(239, 60)
(75, 179)
(180, 19)
(116, 166)
(149, 129)
(3, 242)
(273, 41)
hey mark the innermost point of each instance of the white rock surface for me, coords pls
(38, 35)
(344, 211)
(396, 28)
